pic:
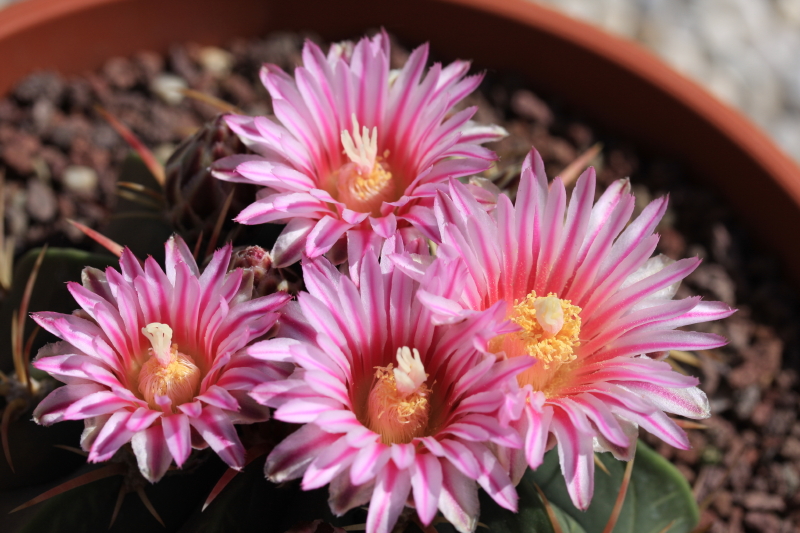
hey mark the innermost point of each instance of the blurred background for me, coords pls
(743, 51)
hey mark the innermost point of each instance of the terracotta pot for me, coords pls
(612, 81)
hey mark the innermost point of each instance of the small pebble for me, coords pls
(791, 448)
(41, 203)
(215, 61)
(80, 180)
(528, 105)
(168, 88)
(18, 151)
(747, 401)
(47, 85)
(121, 72)
(763, 522)
(43, 113)
(150, 63)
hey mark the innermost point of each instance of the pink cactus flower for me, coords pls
(359, 149)
(395, 408)
(593, 309)
(157, 359)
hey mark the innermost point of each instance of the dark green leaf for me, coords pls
(658, 496)
(531, 518)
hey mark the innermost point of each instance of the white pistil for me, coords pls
(160, 337)
(167, 372)
(410, 373)
(361, 149)
(549, 314)
(398, 407)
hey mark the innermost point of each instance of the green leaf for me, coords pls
(658, 498)
(532, 516)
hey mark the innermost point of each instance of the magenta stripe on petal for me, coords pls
(177, 436)
(152, 453)
(111, 437)
(218, 431)
(369, 461)
(426, 484)
(388, 499)
(292, 456)
(52, 408)
(98, 403)
(142, 419)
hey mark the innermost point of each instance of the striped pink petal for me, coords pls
(349, 440)
(582, 275)
(115, 380)
(416, 142)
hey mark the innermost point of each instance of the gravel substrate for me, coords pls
(61, 160)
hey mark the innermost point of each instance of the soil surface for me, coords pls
(61, 160)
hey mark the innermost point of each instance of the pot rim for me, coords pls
(770, 186)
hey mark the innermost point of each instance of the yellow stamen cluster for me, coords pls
(398, 409)
(167, 372)
(357, 190)
(551, 328)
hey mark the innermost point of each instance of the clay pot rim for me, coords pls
(643, 67)
(645, 64)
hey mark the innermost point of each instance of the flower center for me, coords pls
(365, 182)
(550, 333)
(167, 372)
(398, 406)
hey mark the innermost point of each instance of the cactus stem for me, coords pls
(6, 245)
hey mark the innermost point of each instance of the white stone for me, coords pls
(215, 61)
(680, 48)
(622, 17)
(80, 179)
(168, 87)
(787, 132)
(721, 28)
(790, 11)
(725, 84)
